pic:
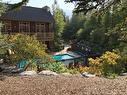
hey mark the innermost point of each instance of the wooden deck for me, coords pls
(41, 36)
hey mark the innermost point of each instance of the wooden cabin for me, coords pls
(31, 21)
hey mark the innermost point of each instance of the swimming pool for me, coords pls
(62, 57)
(67, 58)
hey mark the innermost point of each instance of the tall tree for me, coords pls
(72, 27)
(59, 23)
(104, 32)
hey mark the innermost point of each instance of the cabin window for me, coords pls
(40, 27)
(7, 26)
(24, 27)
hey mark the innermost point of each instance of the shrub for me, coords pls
(95, 66)
(4, 47)
(110, 63)
(110, 58)
(73, 71)
(32, 65)
(55, 67)
(83, 69)
(28, 48)
(106, 65)
(123, 60)
(94, 69)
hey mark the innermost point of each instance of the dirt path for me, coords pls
(59, 85)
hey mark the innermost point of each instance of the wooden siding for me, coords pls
(32, 27)
(47, 35)
(15, 26)
(47, 27)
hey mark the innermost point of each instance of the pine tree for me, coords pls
(58, 24)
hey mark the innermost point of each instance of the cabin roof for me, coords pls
(27, 13)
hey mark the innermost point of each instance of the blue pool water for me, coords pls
(62, 57)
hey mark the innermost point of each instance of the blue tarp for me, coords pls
(21, 64)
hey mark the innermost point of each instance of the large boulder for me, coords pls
(28, 73)
(48, 73)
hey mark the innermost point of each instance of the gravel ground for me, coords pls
(62, 85)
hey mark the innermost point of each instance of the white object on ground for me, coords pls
(1, 61)
(66, 74)
(28, 73)
(17, 70)
(124, 74)
(47, 72)
(86, 74)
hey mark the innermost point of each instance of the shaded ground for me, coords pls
(60, 85)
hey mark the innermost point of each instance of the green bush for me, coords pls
(55, 67)
(73, 71)
(108, 64)
(123, 59)
(28, 48)
(4, 48)
(32, 65)
(4, 45)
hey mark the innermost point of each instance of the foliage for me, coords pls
(28, 48)
(16, 5)
(55, 67)
(73, 71)
(72, 27)
(2, 7)
(5, 48)
(31, 66)
(102, 32)
(4, 45)
(123, 59)
(82, 5)
(89, 5)
(106, 65)
(2, 10)
(59, 23)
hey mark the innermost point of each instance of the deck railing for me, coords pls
(41, 36)
(45, 36)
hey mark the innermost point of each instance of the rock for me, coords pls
(77, 75)
(28, 73)
(86, 74)
(1, 61)
(124, 74)
(17, 70)
(10, 69)
(48, 73)
(66, 74)
(1, 69)
(3, 66)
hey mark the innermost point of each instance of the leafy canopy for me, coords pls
(88, 5)
(82, 5)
